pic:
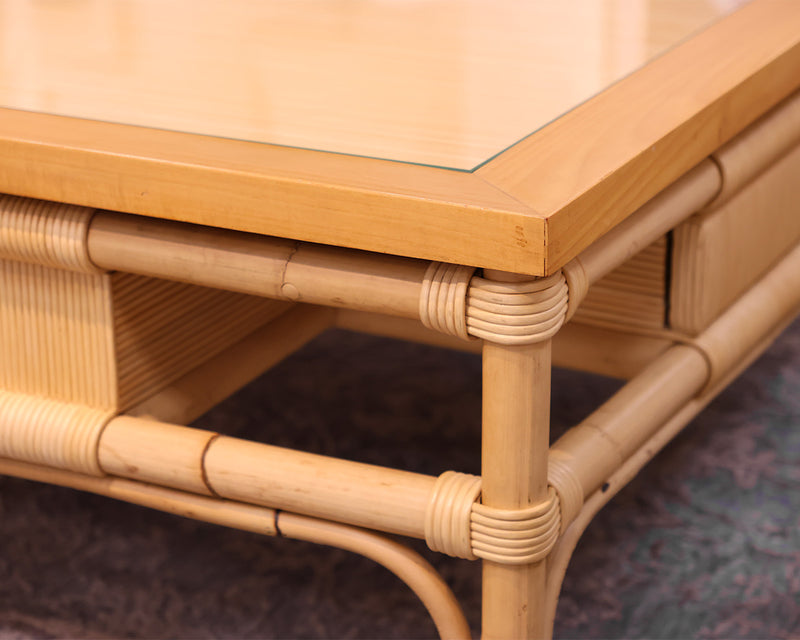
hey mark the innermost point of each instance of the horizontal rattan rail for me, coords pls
(352, 279)
(398, 501)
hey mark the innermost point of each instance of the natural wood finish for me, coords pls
(57, 334)
(565, 196)
(603, 350)
(362, 203)
(356, 493)
(721, 252)
(631, 141)
(173, 454)
(163, 330)
(559, 559)
(758, 147)
(529, 210)
(51, 432)
(258, 265)
(190, 396)
(516, 428)
(633, 294)
(604, 440)
(767, 304)
(653, 220)
(409, 566)
(449, 83)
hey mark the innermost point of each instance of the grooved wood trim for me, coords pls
(164, 329)
(57, 334)
(721, 252)
(112, 340)
(593, 167)
(634, 294)
(49, 432)
(72, 333)
(190, 396)
(45, 233)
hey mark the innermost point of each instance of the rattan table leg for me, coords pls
(516, 425)
(516, 418)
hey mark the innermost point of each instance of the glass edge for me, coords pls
(472, 169)
(232, 139)
(622, 78)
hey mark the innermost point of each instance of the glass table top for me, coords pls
(448, 83)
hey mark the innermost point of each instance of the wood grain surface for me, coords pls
(442, 82)
(528, 210)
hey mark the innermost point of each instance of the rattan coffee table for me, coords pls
(195, 190)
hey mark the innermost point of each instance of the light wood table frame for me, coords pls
(497, 259)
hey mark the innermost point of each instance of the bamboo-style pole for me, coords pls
(609, 436)
(758, 147)
(407, 565)
(259, 265)
(664, 212)
(559, 559)
(606, 450)
(605, 439)
(347, 278)
(516, 427)
(753, 316)
(203, 462)
(364, 495)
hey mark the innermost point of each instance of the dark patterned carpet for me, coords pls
(705, 543)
